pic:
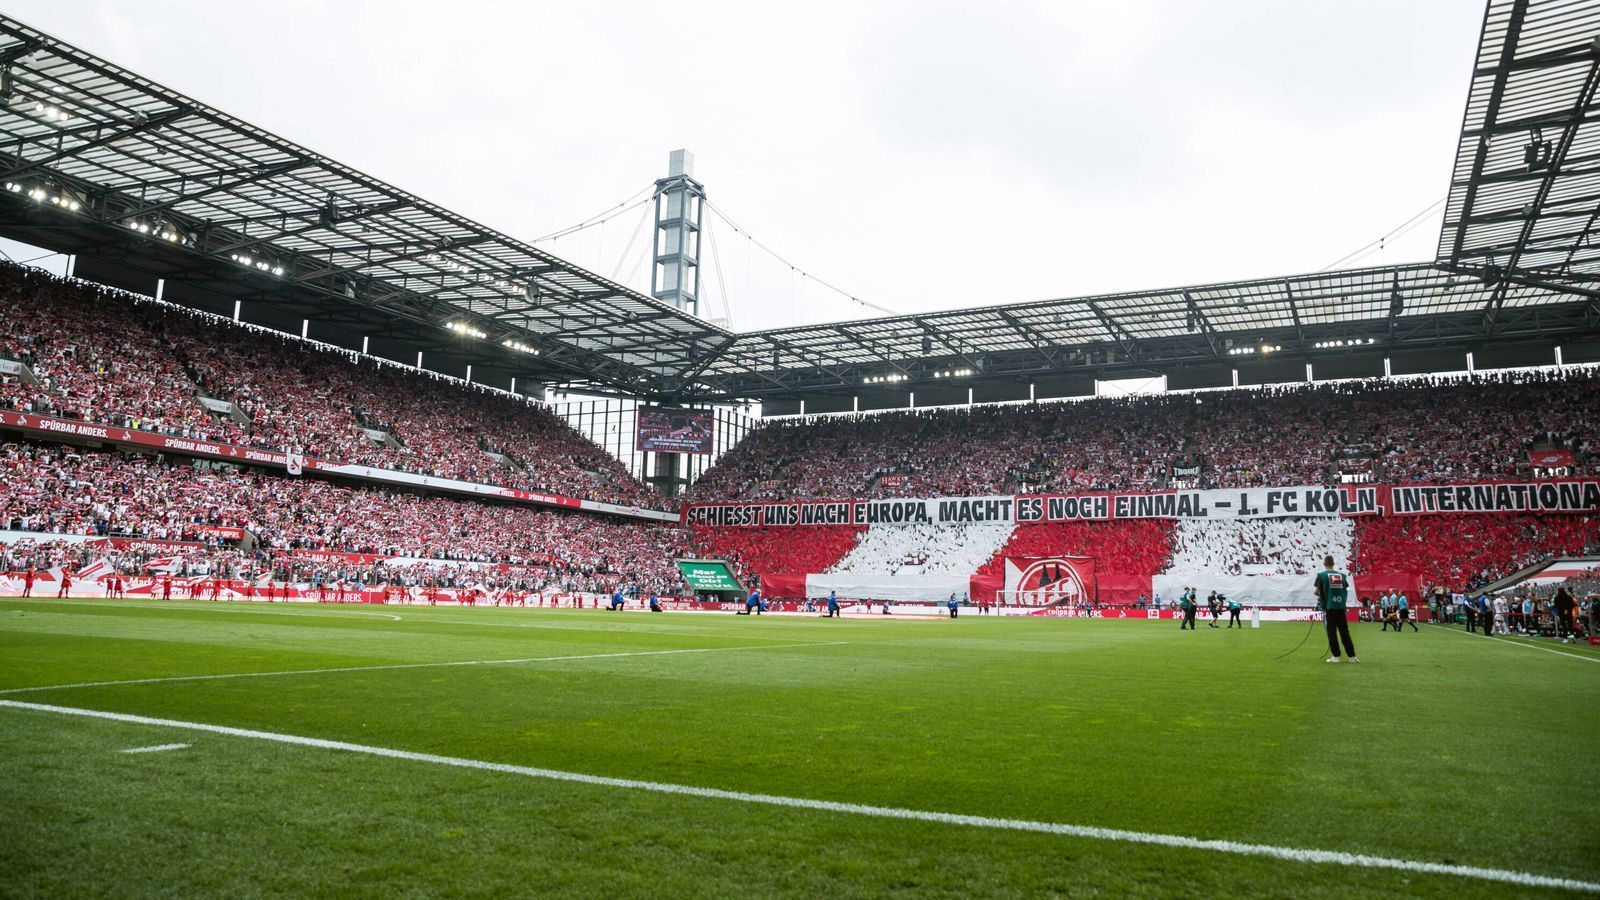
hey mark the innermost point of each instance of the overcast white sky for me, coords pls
(921, 155)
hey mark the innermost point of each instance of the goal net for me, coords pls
(1049, 596)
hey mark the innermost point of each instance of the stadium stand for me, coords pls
(1277, 546)
(1464, 551)
(1419, 430)
(1128, 552)
(104, 356)
(754, 552)
(1584, 584)
(928, 549)
(1468, 551)
(69, 490)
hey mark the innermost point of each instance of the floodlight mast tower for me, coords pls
(675, 276)
(675, 270)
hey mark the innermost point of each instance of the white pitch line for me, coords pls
(156, 749)
(1292, 854)
(1514, 643)
(432, 665)
(375, 615)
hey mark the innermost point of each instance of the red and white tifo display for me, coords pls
(1259, 545)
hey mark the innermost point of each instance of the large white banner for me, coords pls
(1251, 590)
(1251, 503)
(869, 586)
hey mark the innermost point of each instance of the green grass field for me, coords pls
(1438, 748)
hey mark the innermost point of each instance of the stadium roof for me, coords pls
(1525, 193)
(1515, 260)
(1301, 317)
(139, 157)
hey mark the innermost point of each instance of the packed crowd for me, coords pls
(266, 566)
(1428, 430)
(108, 357)
(1462, 551)
(44, 552)
(1260, 546)
(67, 490)
(924, 549)
(1136, 547)
(767, 550)
(296, 524)
(1468, 551)
(1585, 584)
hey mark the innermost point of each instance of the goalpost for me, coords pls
(1037, 598)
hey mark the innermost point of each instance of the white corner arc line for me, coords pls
(430, 665)
(1292, 854)
(159, 748)
(1514, 643)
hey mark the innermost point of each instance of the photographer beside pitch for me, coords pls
(1333, 593)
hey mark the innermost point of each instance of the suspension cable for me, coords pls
(1398, 230)
(600, 217)
(716, 262)
(626, 251)
(803, 273)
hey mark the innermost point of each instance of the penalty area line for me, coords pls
(387, 667)
(1291, 854)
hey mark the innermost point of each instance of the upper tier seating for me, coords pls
(1426, 430)
(104, 356)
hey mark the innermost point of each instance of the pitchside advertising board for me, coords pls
(663, 430)
(1254, 503)
(707, 576)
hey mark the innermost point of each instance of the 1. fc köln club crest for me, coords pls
(1047, 580)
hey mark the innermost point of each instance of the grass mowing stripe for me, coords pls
(1507, 643)
(428, 665)
(1290, 854)
(308, 610)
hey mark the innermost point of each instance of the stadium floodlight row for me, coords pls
(161, 182)
(147, 180)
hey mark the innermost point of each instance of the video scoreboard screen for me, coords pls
(674, 430)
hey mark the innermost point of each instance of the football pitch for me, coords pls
(230, 749)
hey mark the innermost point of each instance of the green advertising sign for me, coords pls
(707, 575)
